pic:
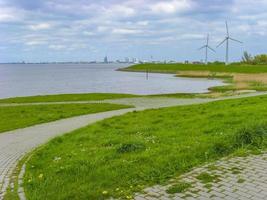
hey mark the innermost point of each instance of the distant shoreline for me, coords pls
(45, 63)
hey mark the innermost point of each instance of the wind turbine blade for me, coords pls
(208, 40)
(222, 42)
(202, 47)
(235, 40)
(211, 49)
(227, 30)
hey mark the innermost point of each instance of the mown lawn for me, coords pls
(14, 117)
(66, 97)
(173, 68)
(122, 155)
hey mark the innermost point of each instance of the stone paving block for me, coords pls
(252, 170)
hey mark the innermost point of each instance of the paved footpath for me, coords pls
(15, 144)
(239, 178)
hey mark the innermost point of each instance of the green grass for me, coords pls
(178, 188)
(176, 95)
(119, 156)
(258, 86)
(66, 97)
(241, 180)
(235, 170)
(206, 177)
(14, 117)
(173, 68)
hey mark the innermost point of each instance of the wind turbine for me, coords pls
(227, 38)
(207, 47)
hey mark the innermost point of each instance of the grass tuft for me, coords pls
(178, 188)
(205, 177)
(131, 147)
(253, 136)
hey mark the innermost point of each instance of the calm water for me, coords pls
(37, 79)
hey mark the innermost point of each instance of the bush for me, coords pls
(260, 59)
(256, 60)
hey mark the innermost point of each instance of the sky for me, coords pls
(84, 30)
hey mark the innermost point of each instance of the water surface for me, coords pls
(42, 79)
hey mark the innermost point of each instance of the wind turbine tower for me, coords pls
(227, 39)
(207, 48)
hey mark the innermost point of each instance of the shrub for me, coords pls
(256, 60)
(260, 59)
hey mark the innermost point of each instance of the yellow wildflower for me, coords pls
(40, 176)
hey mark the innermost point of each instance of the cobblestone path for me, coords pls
(240, 178)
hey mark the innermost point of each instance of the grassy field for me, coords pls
(240, 77)
(14, 117)
(66, 97)
(173, 68)
(119, 156)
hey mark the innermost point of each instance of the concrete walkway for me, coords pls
(239, 178)
(145, 102)
(15, 144)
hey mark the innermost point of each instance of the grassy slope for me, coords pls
(119, 156)
(66, 97)
(13, 117)
(173, 68)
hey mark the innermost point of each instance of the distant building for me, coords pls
(127, 60)
(105, 59)
(197, 63)
(134, 60)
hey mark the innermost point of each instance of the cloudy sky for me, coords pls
(74, 30)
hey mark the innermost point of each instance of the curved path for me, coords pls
(15, 144)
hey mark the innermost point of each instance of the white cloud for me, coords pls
(170, 7)
(125, 31)
(57, 47)
(102, 28)
(8, 14)
(143, 23)
(88, 33)
(120, 10)
(34, 42)
(40, 26)
(191, 36)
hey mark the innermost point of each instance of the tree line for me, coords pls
(254, 60)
